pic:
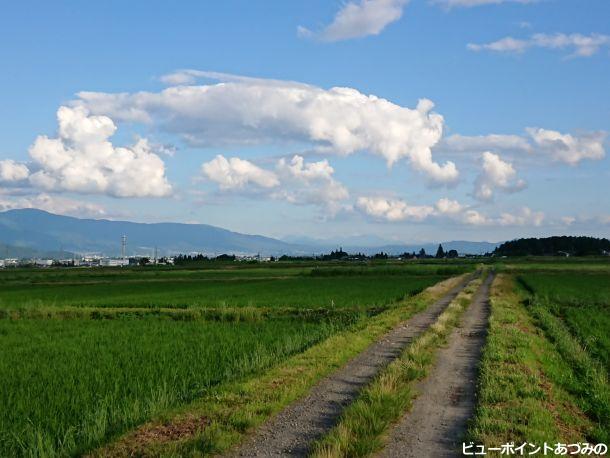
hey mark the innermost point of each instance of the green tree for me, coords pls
(440, 253)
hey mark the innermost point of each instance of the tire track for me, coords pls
(292, 431)
(438, 420)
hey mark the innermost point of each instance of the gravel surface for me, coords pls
(438, 419)
(292, 431)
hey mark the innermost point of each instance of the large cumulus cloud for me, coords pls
(82, 159)
(244, 111)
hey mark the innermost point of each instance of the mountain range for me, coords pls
(30, 232)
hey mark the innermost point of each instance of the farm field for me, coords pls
(285, 287)
(582, 302)
(72, 382)
(544, 372)
(190, 362)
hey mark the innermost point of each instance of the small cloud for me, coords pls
(359, 19)
(448, 4)
(54, 204)
(496, 174)
(393, 209)
(236, 173)
(296, 182)
(11, 171)
(567, 148)
(580, 45)
(304, 32)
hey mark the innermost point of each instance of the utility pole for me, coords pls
(123, 246)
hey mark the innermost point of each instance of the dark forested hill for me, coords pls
(551, 246)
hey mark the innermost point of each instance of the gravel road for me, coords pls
(436, 424)
(292, 431)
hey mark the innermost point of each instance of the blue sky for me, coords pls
(491, 68)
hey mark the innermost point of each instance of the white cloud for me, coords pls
(297, 182)
(481, 143)
(297, 168)
(13, 171)
(359, 19)
(525, 217)
(496, 174)
(580, 45)
(507, 44)
(448, 207)
(397, 210)
(567, 148)
(53, 204)
(393, 209)
(245, 111)
(522, 217)
(236, 173)
(82, 159)
(470, 3)
(310, 183)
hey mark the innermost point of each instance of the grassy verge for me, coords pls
(230, 411)
(519, 397)
(361, 427)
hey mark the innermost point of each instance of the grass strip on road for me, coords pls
(232, 410)
(362, 426)
(519, 399)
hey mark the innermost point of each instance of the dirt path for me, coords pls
(438, 420)
(291, 432)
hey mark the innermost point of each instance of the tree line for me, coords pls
(554, 246)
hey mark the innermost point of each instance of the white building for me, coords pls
(110, 262)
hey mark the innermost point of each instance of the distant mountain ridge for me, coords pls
(371, 245)
(41, 230)
(36, 231)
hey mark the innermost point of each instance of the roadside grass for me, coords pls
(363, 424)
(521, 394)
(232, 410)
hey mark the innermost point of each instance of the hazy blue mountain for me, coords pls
(33, 232)
(20, 252)
(461, 246)
(371, 244)
(351, 240)
(40, 230)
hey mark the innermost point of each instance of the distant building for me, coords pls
(42, 262)
(111, 262)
